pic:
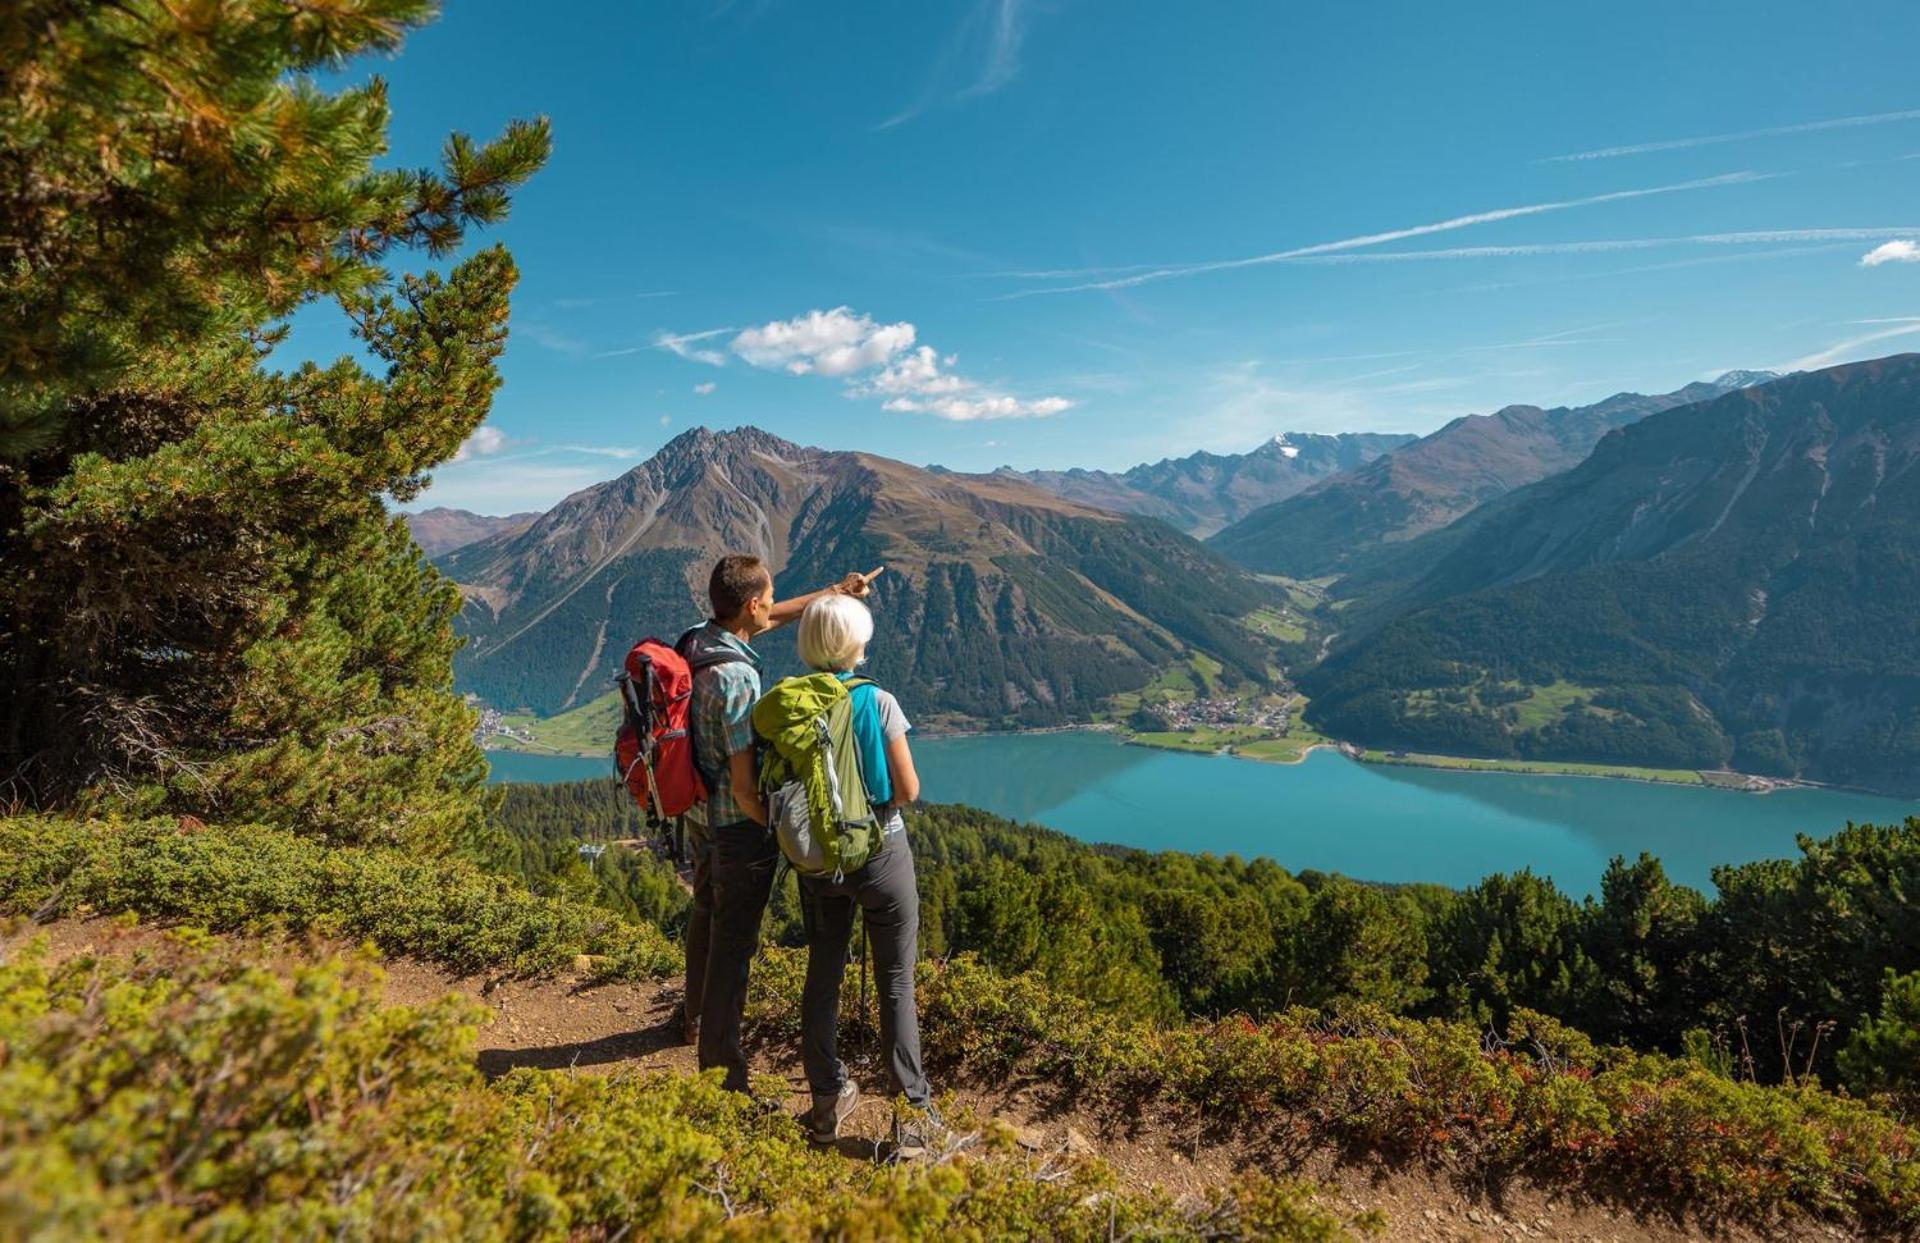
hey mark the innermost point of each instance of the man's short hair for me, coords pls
(736, 580)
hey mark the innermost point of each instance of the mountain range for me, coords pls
(1722, 576)
(1341, 523)
(1204, 492)
(1002, 603)
(441, 530)
(1731, 581)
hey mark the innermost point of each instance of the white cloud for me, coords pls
(994, 32)
(1677, 144)
(832, 343)
(682, 344)
(665, 419)
(1901, 251)
(918, 372)
(702, 390)
(1392, 235)
(484, 442)
(975, 409)
(873, 359)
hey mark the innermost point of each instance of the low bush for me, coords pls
(185, 1094)
(1542, 1100)
(250, 878)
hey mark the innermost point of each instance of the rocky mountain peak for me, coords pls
(704, 444)
(1730, 380)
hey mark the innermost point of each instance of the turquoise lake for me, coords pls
(1367, 821)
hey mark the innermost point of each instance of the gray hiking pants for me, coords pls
(886, 890)
(699, 935)
(740, 880)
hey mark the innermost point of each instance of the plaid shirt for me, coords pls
(722, 718)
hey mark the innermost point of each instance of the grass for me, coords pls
(1289, 748)
(1275, 623)
(1292, 746)
(1542, 707)
(1547, 704)
(1206, 738)
(1206, 671)
(586, 730)
(1194, 678)
(1246, 741)
(1672, 776)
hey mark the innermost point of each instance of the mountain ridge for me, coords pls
(1001, 603)
(442, 529)
(1727, 582)
(1343, 522)
(1204, 492)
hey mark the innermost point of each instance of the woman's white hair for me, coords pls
(834, 633)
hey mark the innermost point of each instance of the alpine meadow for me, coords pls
(716, 417)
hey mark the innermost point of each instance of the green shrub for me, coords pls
(187, 1095)
(1544, 1099)
(1883, 1055)
(251, 878)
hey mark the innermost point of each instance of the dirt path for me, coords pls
(566, 1024)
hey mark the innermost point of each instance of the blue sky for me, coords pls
(1074, 233)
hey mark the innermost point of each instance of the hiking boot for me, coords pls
(919, 1134)
(828, 1112)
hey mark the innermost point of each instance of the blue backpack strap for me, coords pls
(854, 683)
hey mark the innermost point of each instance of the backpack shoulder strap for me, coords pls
(701, 652)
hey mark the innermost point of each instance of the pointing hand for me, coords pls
(859, 585)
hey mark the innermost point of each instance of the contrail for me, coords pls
(1392, 235)
(1523, 250)
(1708, 140)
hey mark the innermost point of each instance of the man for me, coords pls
(734, 851)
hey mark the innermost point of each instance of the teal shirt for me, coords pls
(870, 740)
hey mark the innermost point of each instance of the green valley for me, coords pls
(585, 730)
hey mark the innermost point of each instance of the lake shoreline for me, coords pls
(1385, 823)
(1743, 783)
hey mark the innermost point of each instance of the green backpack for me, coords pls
(816, 794)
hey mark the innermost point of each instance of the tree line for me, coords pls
(1796, 967)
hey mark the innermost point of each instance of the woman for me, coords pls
(834, 633)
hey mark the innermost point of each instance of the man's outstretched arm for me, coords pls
(856, 585)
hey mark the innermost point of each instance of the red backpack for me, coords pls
(653, 750)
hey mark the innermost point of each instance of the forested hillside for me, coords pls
(1344, 523)
(1732, 582)
(1000, 604)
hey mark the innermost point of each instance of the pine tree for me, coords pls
(205, 606)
